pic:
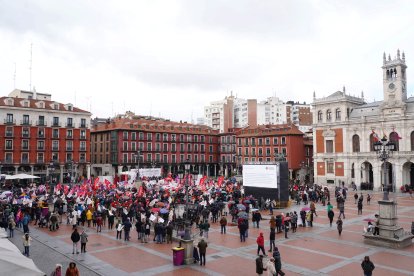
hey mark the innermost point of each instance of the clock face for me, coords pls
(391, 86)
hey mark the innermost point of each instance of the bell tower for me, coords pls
(394, 79)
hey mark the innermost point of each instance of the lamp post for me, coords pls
(239, 159)
(153, 163)
(138, 159)
(384, 149)
(72, 172)
(187, 230)
(51, 170)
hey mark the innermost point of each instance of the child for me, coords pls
(26, 243)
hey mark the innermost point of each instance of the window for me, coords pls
(355, 143)
(82, 157)
(338, 114)
(69, 133)
(9, 144)
(9, 131)
(157, 147)
(55, 145)
(149, 157)
(133, 136)
(181, 158)
(157, 137)
(25, 144)
(165, 147)
(353, 170)
(69, 145)
(412, 140)
(283, 141)
(372, 139)
(149, 136)
(173, 159)
(165, 137)
(40, 132)
(276, 151)
(25, 158)
(188, 147)
(55, 121)
(260, 152)
(284, 152)
(395, 138)
(125, 157)
(133, 146)
(125, 146)
(246, 141)
(83, 123)
(202, 148)
(319, 116)
(83, 134)
(40, 157)
(82, 146)
(267, 151)
(40, 145)
(329, 146)
(246, 151)
(260, 141)
(188, 138)
(25, 120)
(55, 133)
(9, 119)
(165, 158)
(125, 135)
(25, 132)
(9, 157)
(329, 167)
(41, 121)
(253, 141)
(181, 137)
(210, 149)
(202, 138)
(253, 151)
(141, 136)
(69, 122)
(149, 146)
(328, 115)
(267, 141)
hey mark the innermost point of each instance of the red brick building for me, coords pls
(116, 144)
(43, 137)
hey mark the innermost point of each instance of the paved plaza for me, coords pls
(310, 251)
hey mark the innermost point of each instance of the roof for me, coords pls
(273, 130)
(152, 125)
(18, 103)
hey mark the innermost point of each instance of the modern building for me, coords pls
(232, 112)
(229, 164)
(345, 129)
(43, 137)
(268, 143)
(117, 143)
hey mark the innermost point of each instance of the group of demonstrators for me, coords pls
(155, 210)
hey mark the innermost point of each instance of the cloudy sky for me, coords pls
(170, 58)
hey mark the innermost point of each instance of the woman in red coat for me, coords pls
(260, 244)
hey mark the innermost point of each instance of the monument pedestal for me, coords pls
(390, 234)
(188, 246)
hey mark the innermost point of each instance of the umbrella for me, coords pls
(231, 202)
(369, 219)
(155, 210)
(12, 262)
(247, 201)
(243, 215)
(305, 209)
(152, 203)
(164, 211)
(254, 210)
(241, 207)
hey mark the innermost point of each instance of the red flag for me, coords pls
(202, 180)
(375, 136)
(107, 183)
(220, 181)
(95, 184)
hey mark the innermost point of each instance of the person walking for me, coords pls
(259, 265)
(368, 199)
(27, 240)
(83, 240)
(72, 270)
(294, 221)
(270, 267)
(331, 216)
(272, 238)
(89, 217)
(223, 224)
(312, 207)
(272, 222)
(242, 229)
(57, 271)
(75, 237)
(278, 262)
(260, 244)
(257, 217)
(111, 219)
(127, 227)
(341, 205)
(99, 222)
(356, 197)
(339, 224)
(202, 248)
(286, 224)
(367, 266)
(25, 222)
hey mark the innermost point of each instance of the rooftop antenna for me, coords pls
(30, 67)
(14, 76)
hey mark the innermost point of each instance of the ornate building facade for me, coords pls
(345, 129)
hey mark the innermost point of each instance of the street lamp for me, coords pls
(153, 163)
(138, 159)
(239, 158)
(187, 230)
(51, 170)
(280, 157)
(384, 149)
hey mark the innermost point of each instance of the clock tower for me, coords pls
(394, 80)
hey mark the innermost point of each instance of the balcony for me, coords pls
(54, 136)
(82, 137)
(40, 135)
(83, 125)
(25, 122)
(82, 149)
(9, 121)
(25, 161)
(69, 136)
(40, 161)
(55, 148)
(25, 148)
(69, 125)
(69, 148)
(9, 133)
(25, 135)
(55, 124)
(8, 161)
(40, 123)
(40, 148)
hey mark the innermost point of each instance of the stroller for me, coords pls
(43, 222)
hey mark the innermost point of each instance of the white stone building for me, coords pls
(346, 127)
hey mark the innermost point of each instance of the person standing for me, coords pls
(259, 265)
(89, 217)
(257, 217)
(286, 224)
(12, 226)
(278, 262)
(26, 243)
(367, 266)
(294, 221)
(83, 240)
(99, 223)
(223, 224)
(360, 206)
(111, 219)
(75, 237)
(272, 238)
(202, 248)
(356, 198)
(57, 271)
(119, 228)
(339, 224)
(341, 205)
(270, 267)
(25, 222)
(368, 199)
(74, 218)
(376, 228)
(303, 217)
(127, 227)
(260, 244)
(72, 270)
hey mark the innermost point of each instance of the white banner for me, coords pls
(150, 172)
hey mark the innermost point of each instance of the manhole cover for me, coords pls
(216, 257)
(96, 244)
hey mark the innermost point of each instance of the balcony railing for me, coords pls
(40, 123)
(55, 148)
(55, 124)
(9, 134)
(25, 147)
(69, 125)
(25, 122)
(69, 148)
(10, 121)
(83, 125)
(40, 161)
(25, 135)
(82, 148)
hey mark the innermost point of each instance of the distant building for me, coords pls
(43, 137)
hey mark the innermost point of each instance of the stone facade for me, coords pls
(345, 128)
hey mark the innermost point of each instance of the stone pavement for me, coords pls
(310, 251)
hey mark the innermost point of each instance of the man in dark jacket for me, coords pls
(257, 217)
(223, 223)
(202, 247)
(278, 262)
(75, 237)
(259, 265)
(127, 229)
(367, 266)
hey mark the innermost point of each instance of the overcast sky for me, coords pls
(171, 58)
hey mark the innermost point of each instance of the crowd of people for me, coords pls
(156, 211)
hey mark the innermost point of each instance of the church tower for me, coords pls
(394, 79)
